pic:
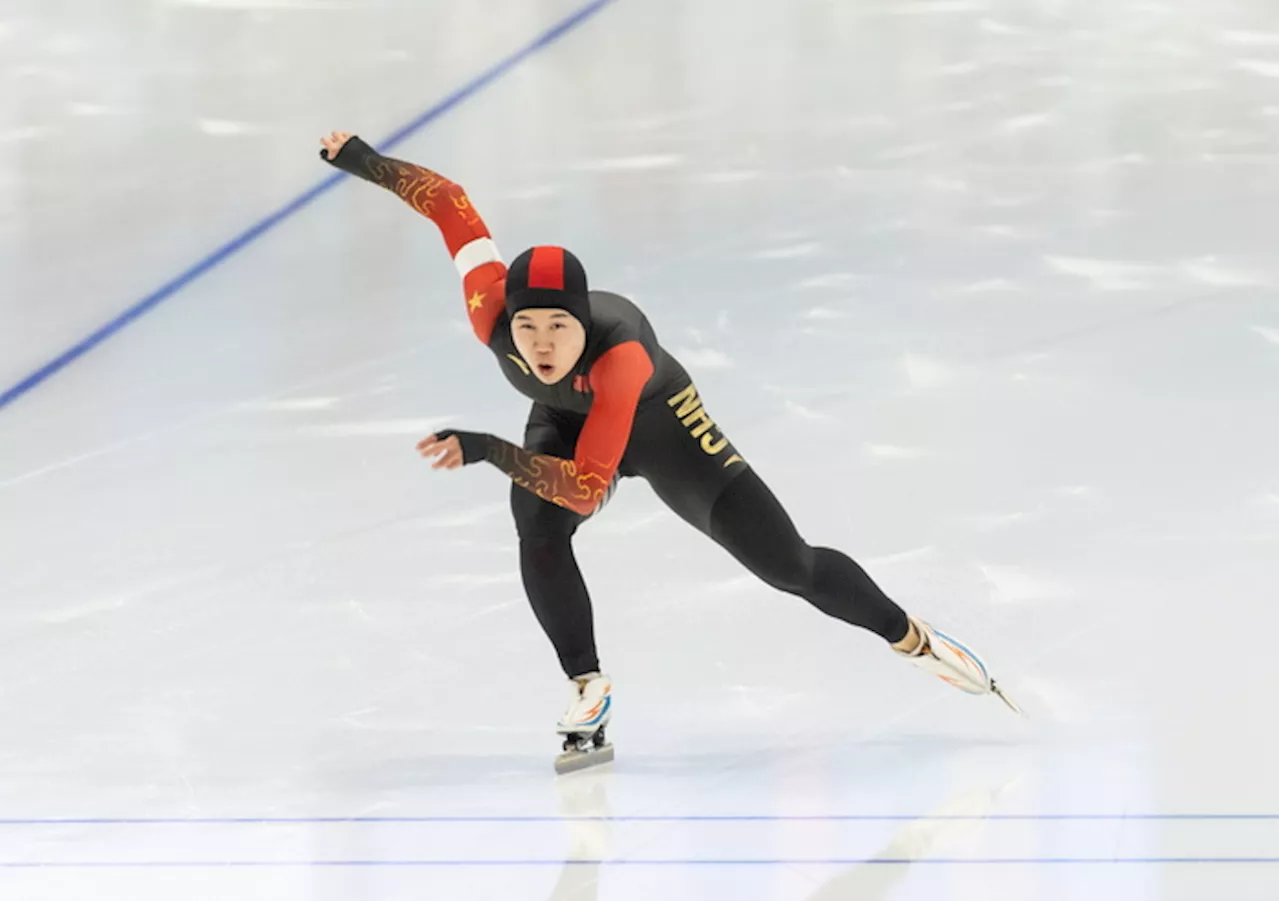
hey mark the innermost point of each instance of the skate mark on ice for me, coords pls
(634, 862)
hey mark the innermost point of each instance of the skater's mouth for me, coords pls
(546, 368)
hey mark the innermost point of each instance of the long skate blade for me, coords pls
(999, 693)
(571, 761)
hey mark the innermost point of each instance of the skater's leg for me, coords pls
(548, 568)
(694, 469)
(749, 522)
(696, 472)
(553, 581)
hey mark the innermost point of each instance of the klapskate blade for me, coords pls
(571, 761)
(999, 693)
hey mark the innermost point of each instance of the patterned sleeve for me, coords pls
(446, 204)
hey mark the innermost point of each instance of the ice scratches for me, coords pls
(730, 176)
(989, 522)
(1013, 202)
(1268, 334)
(468, 517)
(934, 7)
(90, 109)
(704, 358)
(913, 555)
(1209, 271)
(989, 286)
(887, 452)
(630, 163)
(1011, 232)
(1017, 585)
(926, 372)
(1264, 67)
(138, 592)
(830, 280)
(1023, 123)
(227, 128)
(26, 133)
(1105, 275)
(992, 26)
(787, 253)
(824, 314)
(473, 580)
(962, 68)
(534, 192)
(288, 404)
(376, 428)
(803, 412)
(909, 151)
(1248, 38)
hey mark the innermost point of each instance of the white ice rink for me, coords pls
(984, 289)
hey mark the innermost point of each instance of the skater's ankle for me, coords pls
(911, 642)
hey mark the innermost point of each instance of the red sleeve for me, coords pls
(617, 380)
(465, 235)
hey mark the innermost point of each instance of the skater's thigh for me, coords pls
(681, 452)
(749, 522)
(554, 432)
(551, 431)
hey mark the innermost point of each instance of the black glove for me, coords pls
(475, 445)
(351, 157)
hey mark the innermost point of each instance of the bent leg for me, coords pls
(548, 568)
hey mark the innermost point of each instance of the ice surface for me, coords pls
(985, 290)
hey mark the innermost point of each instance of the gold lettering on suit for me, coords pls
(694, 417)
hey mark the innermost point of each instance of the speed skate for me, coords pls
(583, 722)
(954, 663)
(582, 751)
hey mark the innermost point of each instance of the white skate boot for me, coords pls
(953, 663)
(582, 724)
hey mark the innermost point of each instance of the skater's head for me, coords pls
(549, 310)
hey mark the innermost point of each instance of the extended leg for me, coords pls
(749, 522)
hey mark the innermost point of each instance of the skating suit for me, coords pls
(628, 409)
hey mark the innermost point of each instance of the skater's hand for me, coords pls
(454, 448)
(333, 144)
(449, 449)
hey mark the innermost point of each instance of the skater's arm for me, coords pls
(617, 380)
(446, 204)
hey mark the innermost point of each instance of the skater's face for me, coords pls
(550, 340)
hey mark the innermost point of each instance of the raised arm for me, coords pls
(446, 204)
(617, 381)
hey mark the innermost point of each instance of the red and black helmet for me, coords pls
(548, 277)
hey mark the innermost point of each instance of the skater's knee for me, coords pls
(788, 567)
(539, 520)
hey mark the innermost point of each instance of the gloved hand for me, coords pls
(456, 448)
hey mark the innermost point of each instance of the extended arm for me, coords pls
(446, 204)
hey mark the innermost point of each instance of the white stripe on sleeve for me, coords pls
(476, 253)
